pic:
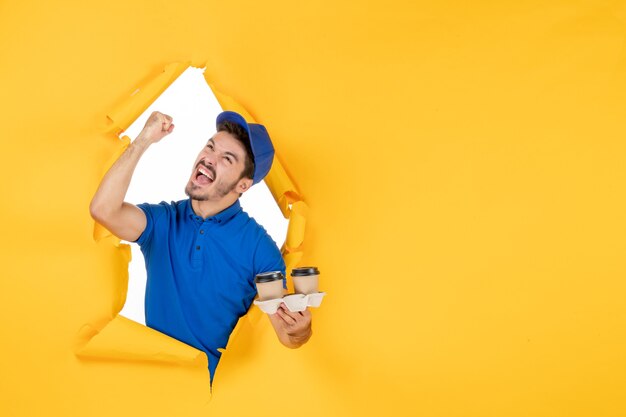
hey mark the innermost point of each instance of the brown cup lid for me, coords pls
(305, 271)
(268, 277)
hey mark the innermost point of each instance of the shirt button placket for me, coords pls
(197, 253)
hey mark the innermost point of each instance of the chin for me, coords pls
(195, 194)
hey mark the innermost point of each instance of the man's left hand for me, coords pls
(295, 327)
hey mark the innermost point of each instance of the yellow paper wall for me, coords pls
(463, 165)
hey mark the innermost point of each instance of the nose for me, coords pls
(208, 158)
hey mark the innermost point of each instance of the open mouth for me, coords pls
(204, 176)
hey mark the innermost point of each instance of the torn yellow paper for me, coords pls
(297, 224)
(228, 103)
(291, 260)
(140, 343)
(127, 112)
(281, 186)
(99, 231)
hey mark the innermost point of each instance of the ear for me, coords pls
(243, 185)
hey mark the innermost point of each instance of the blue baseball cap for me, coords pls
(260, 142)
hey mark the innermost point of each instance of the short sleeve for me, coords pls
(267, 257)
(152, 212)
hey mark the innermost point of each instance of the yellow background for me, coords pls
(464, 166)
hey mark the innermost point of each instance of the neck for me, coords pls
(210, 208)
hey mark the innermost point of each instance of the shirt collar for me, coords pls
(221, 217)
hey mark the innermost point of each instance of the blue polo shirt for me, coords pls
(201, 272)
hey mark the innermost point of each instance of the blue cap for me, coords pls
(260, 142)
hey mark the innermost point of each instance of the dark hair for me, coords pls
(241, 135)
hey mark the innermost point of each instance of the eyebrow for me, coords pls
(226, 152)
(233, 155)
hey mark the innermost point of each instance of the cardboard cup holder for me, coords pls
(294, 302)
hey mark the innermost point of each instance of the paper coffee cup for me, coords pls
(305, 279)
(269, 285)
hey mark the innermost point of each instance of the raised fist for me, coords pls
(157, 127)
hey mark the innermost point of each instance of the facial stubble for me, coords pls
(221, 190)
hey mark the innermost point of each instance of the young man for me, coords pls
(203, 253)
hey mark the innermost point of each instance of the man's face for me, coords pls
(217, 170)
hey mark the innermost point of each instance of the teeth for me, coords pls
(205, 173)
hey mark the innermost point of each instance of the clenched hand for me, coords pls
(156, 128)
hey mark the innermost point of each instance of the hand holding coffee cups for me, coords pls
(296, 325)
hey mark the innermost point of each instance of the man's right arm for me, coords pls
(108, 207)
